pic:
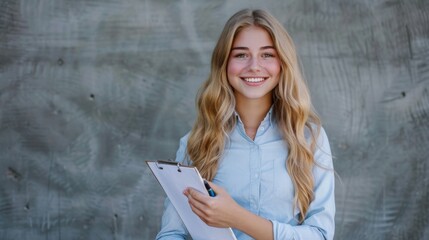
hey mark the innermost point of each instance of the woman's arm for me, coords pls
(223, 211)
(319, 222)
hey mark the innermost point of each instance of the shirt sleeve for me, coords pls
(172, 226)
(319, 222)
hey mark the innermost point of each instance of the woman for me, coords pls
(258, 141)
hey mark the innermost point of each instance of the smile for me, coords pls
(254, 79)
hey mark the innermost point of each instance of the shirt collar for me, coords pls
(268, 119)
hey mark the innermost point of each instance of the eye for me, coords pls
(267, 55)
(240, 55)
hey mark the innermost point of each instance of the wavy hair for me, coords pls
(292, 108)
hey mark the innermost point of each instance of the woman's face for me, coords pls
(253, 65)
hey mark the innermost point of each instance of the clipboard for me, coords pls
(174, 179)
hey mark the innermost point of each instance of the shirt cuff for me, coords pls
(282, 231)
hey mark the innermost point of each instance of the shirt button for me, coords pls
(262, 128)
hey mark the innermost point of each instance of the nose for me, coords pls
(254, 64)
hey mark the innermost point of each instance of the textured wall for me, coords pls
(91, 89)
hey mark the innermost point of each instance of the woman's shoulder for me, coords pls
(181, 155)
(184, 139)
(316, 129)
(320, 136)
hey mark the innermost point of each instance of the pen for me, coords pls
(209, 189)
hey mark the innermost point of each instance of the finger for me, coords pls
(197, 204)
(204, 215)
(197, 210)
(198, 196)
(215, 187)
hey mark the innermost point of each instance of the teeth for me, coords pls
(253, 80)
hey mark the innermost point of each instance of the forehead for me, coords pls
(252, 36)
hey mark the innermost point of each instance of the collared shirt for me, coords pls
(254, 173)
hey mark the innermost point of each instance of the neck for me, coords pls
(253, 111)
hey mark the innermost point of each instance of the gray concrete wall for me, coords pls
(91, 89)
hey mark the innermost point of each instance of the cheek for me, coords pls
(274, 67)
(276, 70)
(233, 68)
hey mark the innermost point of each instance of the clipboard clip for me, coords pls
(169, 162)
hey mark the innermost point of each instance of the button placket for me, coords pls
(255, 178)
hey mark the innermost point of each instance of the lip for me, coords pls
(254, 80)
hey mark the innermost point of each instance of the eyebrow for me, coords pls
(246, 48)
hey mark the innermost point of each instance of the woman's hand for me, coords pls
(223, 211)
(218, 211)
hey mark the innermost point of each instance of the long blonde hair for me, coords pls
(292, 108)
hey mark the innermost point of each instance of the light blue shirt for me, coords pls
(254, 173)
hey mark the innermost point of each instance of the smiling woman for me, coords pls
(258, 141)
